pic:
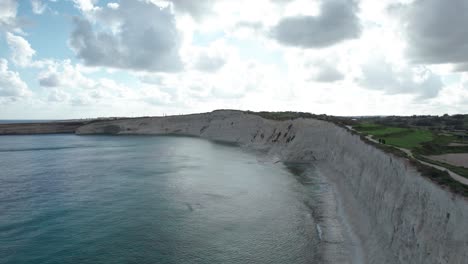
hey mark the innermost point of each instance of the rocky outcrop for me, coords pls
(398, 215)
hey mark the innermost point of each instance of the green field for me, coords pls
(421, 142)
(397, 136)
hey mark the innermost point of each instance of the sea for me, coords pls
(152, 199)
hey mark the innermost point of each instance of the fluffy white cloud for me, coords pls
(146, 39)
(113, 5)
(38, 7)
(57, 95)
(85, 5)
(182, 56)
(453, 98)
(21, 50)
(11, 84)
(379, 74)
(8, 14)
(210, 58)
(198, 89)
(197, 9)
(50, 80)
(66, 75)
(66, 82)
(336, 22)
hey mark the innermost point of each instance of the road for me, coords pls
(408, 152)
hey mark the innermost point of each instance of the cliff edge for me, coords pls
(398, 215)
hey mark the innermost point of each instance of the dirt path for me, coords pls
(452, 174)
(455, 159)
(408, 152)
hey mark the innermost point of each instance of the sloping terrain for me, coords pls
(398, 215)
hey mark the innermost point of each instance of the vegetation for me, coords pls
(458, 170)
(440, 177)
(435, 148)
(410, 139)
(280, 116)
(424, 135)
(444, 122)
(378, 130)
(289, 115)
(397, 136)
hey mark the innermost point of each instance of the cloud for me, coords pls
(209, 63)
(85, 5)
(462, 67)
(21, 51)
(8, 14)
(336, 22)
(64, 74)
(197, 88)
(322, 66)
(11, 84)
(38, 7)
(435, 31)
(81, 101)
(197, 9)
(282, 1)
(328, 73)
(324, 69)
(154, 96)
(146, 39)
(57, 95)
(50, 80)
(113, 5)
(69, 82)
(210, 58)
(255, 26)
(379, 74)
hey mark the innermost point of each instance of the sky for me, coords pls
(98, 58)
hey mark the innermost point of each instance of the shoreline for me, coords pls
(395, 214)
(54, 127)
(340, 242)
(355, 245)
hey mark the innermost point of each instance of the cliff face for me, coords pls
(398, 215)
(40, 128)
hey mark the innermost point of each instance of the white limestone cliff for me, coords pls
(398, 215)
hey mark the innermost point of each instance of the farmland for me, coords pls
(424, 143)
(408, 138)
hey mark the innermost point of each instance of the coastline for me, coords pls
(27, 128)
(354, 243)
(382, 204)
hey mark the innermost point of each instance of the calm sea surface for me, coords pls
(141, 199)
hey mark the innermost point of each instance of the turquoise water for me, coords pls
(142, 199)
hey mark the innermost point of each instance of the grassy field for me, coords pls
(421, 142)
(378, 130)
(397, 136)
